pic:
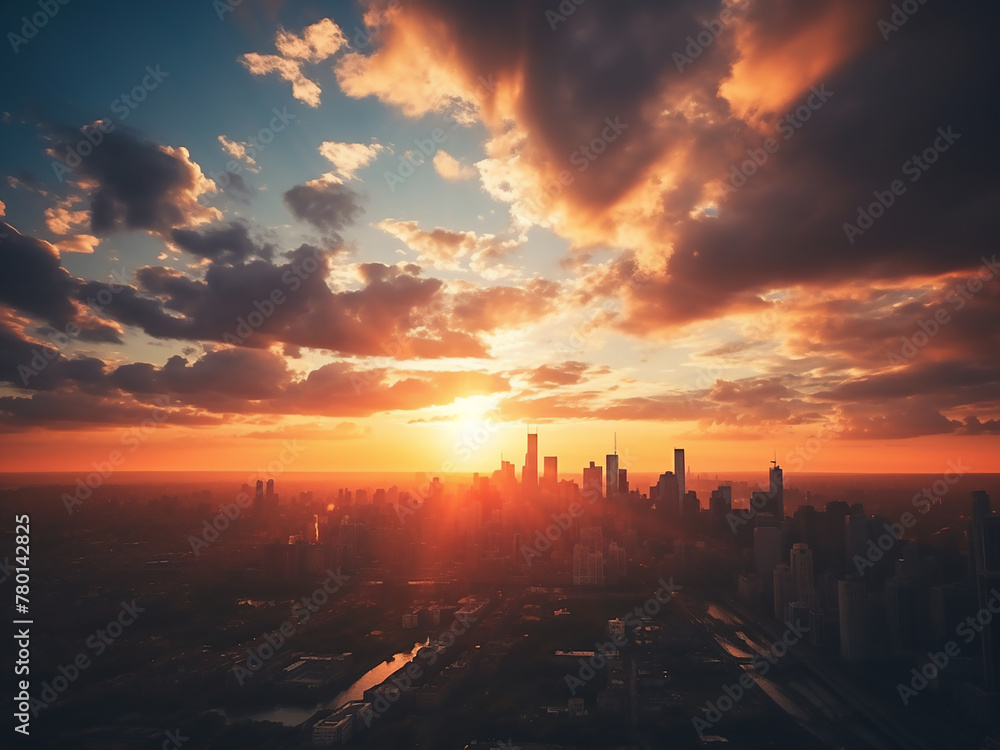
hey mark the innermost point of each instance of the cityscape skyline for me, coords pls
(367, 247)
(522, 375)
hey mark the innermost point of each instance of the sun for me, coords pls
(474, 413)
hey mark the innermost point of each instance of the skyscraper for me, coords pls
(803, 587)
(853, 600)
(529, 474)
(667, 499)
(592, 482)
(721, 501)
(776, 492)
(551, 476)
(611, 477)
(679, 471)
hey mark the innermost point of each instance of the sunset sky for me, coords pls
(382, 229)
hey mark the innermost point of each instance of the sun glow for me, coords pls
(473, 412)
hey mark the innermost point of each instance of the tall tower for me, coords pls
(776, 492)
(679, 471)
(529, 474)
(611, 477)
(258, 499)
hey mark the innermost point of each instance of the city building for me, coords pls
(679, 471)
(593, 482)
(667, 499)
(529, 474)
(611, 476)
(854, 637)
(766, 550)
(783, 588)
(721, 501)
(551, 476)
(803, 585)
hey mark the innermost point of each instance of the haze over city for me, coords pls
(535, 374)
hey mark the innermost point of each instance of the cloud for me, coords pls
(305, 90)
(78, 243)
(451, 168)
(504, 307)
(137, 184)
(230, 382)
(321, 40)
(394, 313)
(327, 205)
(31, 279)
(566, 373)
(238, 150)
(318, 42)
(444, 248)
(33, 282)
(225, 244)
(348, 158)
(62, 219)
(654, 192)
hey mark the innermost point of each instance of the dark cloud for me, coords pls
(32, 281)
(139, 184)
(328, 206)
(223, 244)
